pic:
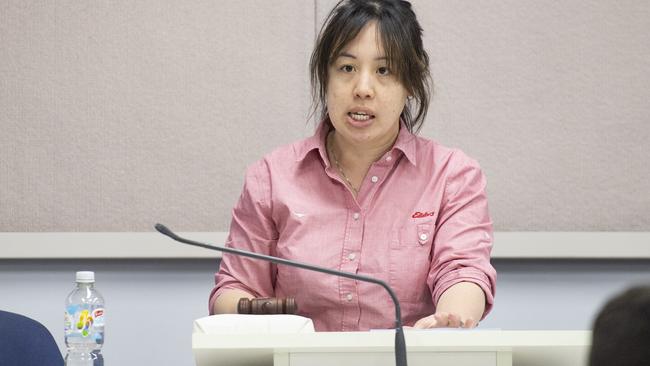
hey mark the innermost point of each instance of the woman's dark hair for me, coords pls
(401, 38)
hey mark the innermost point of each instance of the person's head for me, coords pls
(369, 58)
(621, 331)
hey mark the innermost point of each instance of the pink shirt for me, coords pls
(420, 223)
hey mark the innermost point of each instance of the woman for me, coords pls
(366, 195)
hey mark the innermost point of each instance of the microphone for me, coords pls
(400, 344)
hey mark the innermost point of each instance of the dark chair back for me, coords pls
(26, 342)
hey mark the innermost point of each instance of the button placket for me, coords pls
(349, 263)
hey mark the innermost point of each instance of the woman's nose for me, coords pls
(364, 87)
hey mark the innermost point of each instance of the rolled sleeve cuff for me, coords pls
(466, 275)
(232, 285)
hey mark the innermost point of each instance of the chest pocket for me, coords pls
(414, 234)
(410, 261)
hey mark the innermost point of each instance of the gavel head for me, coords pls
(267, 305)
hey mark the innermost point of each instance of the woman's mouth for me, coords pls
(360, 119)
(360, 116)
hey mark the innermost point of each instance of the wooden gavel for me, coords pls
(267, 305)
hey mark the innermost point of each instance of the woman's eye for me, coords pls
(383, 71)
(347, 68)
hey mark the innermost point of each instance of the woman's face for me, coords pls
(364, 99)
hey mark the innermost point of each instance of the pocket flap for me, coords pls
(424, 233)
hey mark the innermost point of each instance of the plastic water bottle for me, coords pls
(84, 322)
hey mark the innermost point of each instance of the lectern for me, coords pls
(296, 344)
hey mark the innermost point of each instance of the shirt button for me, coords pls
(348, 297)
(356, 216)
(423, 237)
(351, 256)
(374, 179)
(389, 158)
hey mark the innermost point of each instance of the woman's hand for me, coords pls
(445, 320)
(459, 307)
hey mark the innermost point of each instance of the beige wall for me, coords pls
(115, 115)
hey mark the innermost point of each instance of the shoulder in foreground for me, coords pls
(288, 154)
(432, 152)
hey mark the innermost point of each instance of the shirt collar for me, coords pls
(315, 142)
(405, 142)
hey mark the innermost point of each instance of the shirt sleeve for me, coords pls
(252, 229)
(463, 238)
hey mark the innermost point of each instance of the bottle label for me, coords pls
(98, 315)
(83, 321)
(67, 322)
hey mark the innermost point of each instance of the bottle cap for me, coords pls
(86, 276)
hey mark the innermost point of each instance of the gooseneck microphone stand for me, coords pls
(400, 344)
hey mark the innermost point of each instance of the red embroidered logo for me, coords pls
(419, 214)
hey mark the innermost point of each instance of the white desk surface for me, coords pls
(529, 348)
